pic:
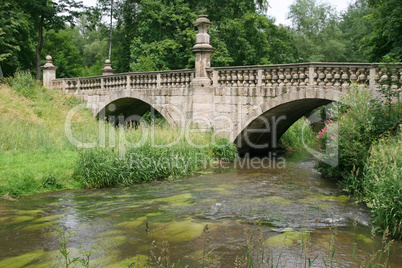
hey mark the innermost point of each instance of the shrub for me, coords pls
(355, 133)
(225, 150)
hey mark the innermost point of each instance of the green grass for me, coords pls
(36, 154)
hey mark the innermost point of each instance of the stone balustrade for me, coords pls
(338, 75)
(126, 81)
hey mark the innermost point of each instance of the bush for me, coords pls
(361, 119)
(225, 150)
(382, 184)
(24, 83)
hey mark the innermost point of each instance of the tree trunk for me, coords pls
(1, 72)
(39, 47)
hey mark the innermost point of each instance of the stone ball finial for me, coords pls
(202, 20)
(49, 58)
(107, 61)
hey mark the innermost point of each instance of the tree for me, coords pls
(50, 15)
(15, 43)
(354, 26)
(385, 37)
(316, 31)
(66, 55)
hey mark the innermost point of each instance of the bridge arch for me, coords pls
(133, 108)
(262, 129)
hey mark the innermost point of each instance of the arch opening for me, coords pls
(262, 134)
(127, 111)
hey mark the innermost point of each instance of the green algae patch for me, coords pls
(20, 219)
(316, 199)
(133, 223)
(22, 260)
(30, 212)
(270, 199)
(208, 200)
(110, 233)
(227, 186)
(109, 242)
(48, 218)
(277, 199)
(364, 239)
(176, 200)
(38, 226)
(285, 239)
(178, 231)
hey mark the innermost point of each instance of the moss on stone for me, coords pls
(179, 231)
(364, 239)
(285, 239)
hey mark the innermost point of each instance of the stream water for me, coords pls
(279, 206)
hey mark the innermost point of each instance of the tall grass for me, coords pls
(382, 184)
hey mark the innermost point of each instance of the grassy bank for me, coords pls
(38, 154)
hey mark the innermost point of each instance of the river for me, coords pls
(291, 209)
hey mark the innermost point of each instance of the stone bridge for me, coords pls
(251, 105)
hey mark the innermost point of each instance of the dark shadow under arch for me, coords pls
(263, 133)
(126, 110)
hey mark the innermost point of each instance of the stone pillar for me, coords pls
(107, 70)
(203, 105)
(202, 50)
(49, 72)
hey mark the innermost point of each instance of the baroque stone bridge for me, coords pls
(251, 105)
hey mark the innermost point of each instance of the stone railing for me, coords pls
(123, 81)
(339, 75)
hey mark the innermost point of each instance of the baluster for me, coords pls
(362, 77)
(281, 78)
(288, 78)
(240, 78)
(353, 76)
(320, 76)
(328, 77)
(345, 78)
(268, 78)
(252, 78)
(246, 78)
(302, 77)
(233, 78)
(275, 78)
(337, 77)
(295, 77)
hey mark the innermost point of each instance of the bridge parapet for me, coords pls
(337, 75)
(126, 81)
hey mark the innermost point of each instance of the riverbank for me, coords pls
(40, 145)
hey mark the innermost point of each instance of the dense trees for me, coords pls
(155, 35)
